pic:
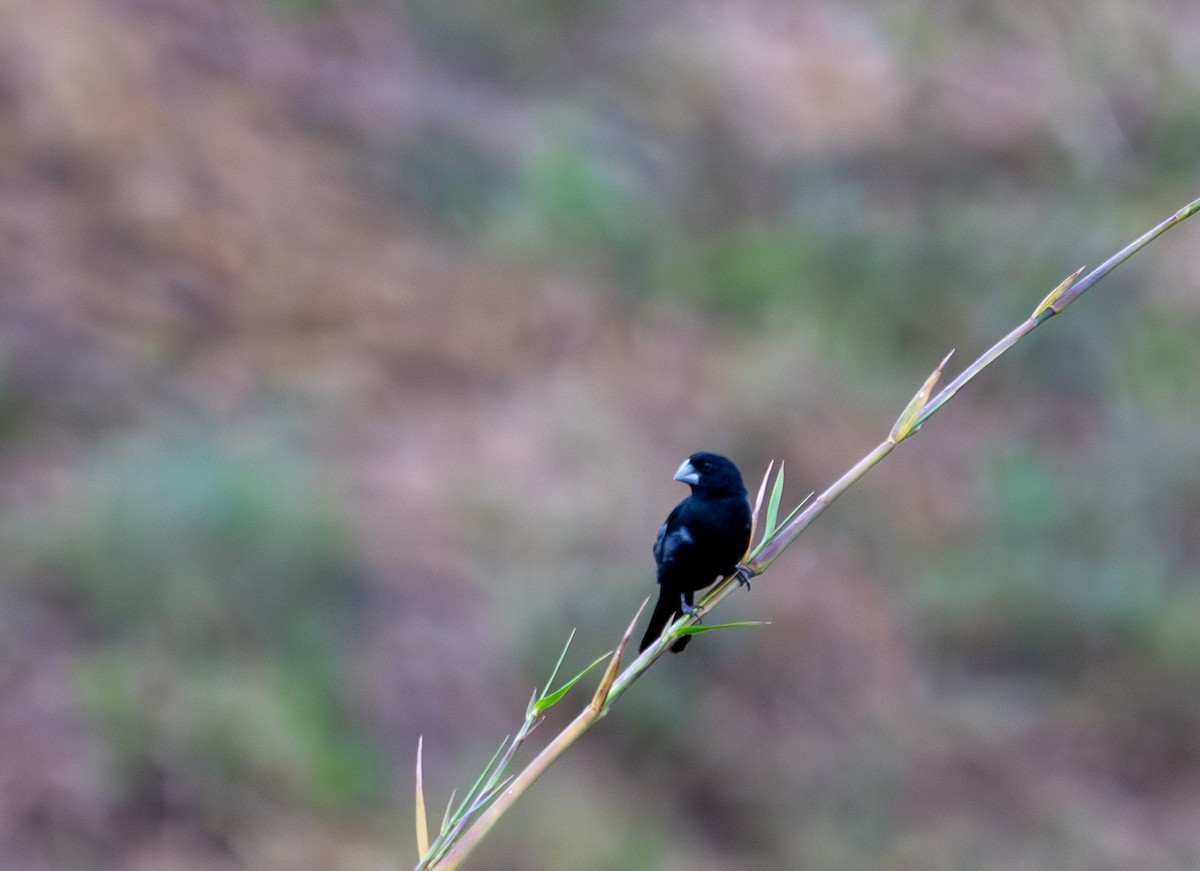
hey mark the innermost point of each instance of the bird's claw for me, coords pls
(743, 573)
(689, 609)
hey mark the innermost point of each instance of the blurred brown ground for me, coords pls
(346, 350)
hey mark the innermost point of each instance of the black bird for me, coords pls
(702, 539)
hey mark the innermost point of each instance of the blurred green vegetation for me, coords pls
(863, 280)
(300, 7)
(1171, 146)
(1161, 361)
(218, 586)
(505, 40)
(1065, 576)
(13, 412)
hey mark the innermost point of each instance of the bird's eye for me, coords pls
(705, 465)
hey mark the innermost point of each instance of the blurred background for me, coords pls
(348, 347)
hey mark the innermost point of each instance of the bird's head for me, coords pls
(711, 475)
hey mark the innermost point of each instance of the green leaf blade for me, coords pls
(552, 699)
(773, 503)
(699, 628)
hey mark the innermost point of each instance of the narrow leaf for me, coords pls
(697, 628)
(762, 489)
(906, 424)
(773, 504)
(550, 700)
(561, 657)
(446, 813)
(1048, 304)
(796, 510)
(422, 822)
(491, 793)
(600, 697)
(791, 515)
(469, 798)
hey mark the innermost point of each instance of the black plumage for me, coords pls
(701, 541)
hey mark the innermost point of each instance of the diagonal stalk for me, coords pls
(613, 684)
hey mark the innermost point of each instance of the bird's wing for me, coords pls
(672, 541)
(662, 541)
(658, 541)
(673, 537)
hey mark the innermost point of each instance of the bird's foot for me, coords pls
(743, 573)
(691, 610)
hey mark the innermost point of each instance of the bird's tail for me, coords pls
(666, 609)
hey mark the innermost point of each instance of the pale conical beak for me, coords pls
(687, 473)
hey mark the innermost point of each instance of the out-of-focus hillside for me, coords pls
(347, 349)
